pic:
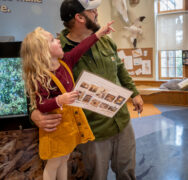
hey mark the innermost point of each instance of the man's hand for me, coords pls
(138, 103)
(105, 30)
(47, 122)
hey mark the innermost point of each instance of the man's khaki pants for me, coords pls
(119, 149)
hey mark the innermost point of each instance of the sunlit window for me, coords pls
(171, 64)
(171, 37)
(170, 5)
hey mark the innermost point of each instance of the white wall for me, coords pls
(105, 11)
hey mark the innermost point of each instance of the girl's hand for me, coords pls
(105, 30)
(67, 98)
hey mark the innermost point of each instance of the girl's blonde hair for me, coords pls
(36, 62)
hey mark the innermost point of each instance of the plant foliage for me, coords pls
(12, 96)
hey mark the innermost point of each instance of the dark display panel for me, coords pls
(13, 101)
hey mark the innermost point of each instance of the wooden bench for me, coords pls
(151, 93)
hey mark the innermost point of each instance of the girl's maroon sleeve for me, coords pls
(72, 57)
(48, 104)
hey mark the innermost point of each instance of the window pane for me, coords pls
(179, 54)
(179, 62)
(179, 4)
(163, 54)
(171, 5)
(179, 72)
(172, 72)
(163, 5)
(172, 62)
(164, 72)
(163, 62)
(171, 53)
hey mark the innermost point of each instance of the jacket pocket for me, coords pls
(107, 52)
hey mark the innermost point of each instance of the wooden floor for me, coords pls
(149, 110)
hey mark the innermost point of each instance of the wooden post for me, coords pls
(186, 5)
(186, 71)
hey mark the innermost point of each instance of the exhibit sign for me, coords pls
(19, 17)
(5, 9)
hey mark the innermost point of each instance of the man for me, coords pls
(115, 139)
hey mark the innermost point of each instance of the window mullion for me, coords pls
(168, 64)
(174, 61)
(175, 58)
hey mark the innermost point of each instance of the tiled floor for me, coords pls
(162, 145)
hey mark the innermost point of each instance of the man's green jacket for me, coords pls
(103, 60)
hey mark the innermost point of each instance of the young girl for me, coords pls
(49, 83)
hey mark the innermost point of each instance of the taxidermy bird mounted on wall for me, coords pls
(135, 30)
(121, 7)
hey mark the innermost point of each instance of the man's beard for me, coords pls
(90, 24)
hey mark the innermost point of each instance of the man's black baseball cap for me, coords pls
(69, 8)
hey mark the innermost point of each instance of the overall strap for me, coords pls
(68, 69)
(57, 81)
